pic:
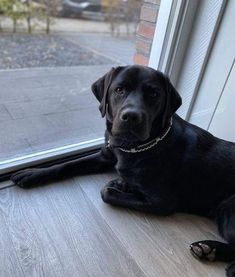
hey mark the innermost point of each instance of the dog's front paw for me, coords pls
(28, 177)
(113, 190)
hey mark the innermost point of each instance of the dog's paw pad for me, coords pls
(205, 247)
(203, 251)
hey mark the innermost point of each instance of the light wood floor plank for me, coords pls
(160, 245)
(9, 263)
(56, 231)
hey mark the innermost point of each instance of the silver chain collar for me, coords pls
(146, 146)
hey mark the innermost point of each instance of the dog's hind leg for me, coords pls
(209, 250)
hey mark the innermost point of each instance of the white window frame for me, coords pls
(182, 43)
(50, 155)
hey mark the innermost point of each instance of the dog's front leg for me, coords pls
(118, 193)
(95, 163)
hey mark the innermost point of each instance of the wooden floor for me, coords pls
(64, 229)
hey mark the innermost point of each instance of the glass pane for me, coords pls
(50, 56)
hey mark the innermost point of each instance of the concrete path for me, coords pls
(48, 107)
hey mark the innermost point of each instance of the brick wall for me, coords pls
(145, 31)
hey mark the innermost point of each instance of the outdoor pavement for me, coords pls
(44, 108)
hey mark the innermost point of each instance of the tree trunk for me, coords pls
(29, 17)
(29, 24)
(14, 25)
(48, 23)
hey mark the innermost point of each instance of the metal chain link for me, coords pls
(154, 142)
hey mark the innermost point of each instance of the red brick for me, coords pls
(140, 59)
(149, 12)
(146, 29)
(143, 45)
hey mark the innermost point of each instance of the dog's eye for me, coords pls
(153, 93)
(119, 90)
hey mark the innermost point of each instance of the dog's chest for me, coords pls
(138, 169)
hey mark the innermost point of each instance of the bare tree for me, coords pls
(122, 12)
(29, 14)
(51, 9)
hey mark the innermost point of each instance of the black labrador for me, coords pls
(165, 164)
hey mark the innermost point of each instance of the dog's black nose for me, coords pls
(131, 117)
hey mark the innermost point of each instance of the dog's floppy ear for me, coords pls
(100, 89)
(172, 101)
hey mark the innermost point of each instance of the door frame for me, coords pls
(182, 43)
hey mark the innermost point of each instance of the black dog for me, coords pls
(165, 164)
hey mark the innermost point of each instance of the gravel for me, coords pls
(22, 51)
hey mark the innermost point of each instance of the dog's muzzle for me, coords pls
(133, 122)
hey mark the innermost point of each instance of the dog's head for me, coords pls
(135, 99)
